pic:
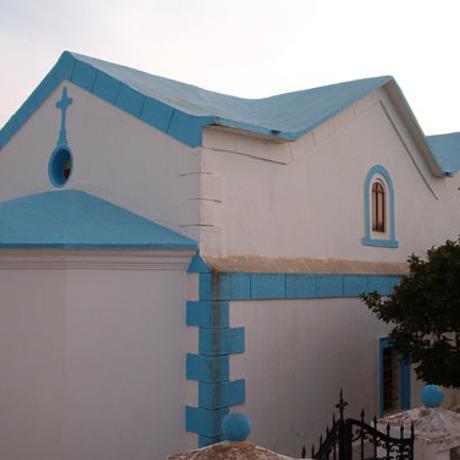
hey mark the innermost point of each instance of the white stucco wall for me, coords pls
(306, 198)
(116, 157)
(299, 353)
(241, 195)
(92, 360)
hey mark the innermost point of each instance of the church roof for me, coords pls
(73, 219)
(446, 149)
(182, 110)
(286, 116)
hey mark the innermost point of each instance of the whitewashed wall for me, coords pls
(116, 156)
(298, 355)
(90, 368)
(306, 199)
(240, 195)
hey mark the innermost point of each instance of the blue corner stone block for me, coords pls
(225, 286)
(204, 421)
(225, 394)
(354, 285)
(204, 441)
(129, 100)
(208, 286)
(84, 75)
(211, 369)
(300, 286)
(188, 128)
(106, 87)
(384, 284)
(214, 342)
(236, 286)
(64, 67)
(208, 314)
(198, 265)
(268, 286)
(157, 114)
(329, 285)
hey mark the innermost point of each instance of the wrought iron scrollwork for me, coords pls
(353, 439)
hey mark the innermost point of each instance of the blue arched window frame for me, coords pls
(369, 240)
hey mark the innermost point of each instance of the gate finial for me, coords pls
(341, 404)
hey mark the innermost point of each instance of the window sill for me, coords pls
(380, 243)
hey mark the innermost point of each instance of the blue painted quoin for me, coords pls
(210, 367)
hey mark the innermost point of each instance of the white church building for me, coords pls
(169, 254)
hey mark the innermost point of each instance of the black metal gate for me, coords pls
(352, 439)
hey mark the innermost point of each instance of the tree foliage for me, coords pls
(424, 311)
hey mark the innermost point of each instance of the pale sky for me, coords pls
(248, 48)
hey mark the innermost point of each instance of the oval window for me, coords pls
(60, 166)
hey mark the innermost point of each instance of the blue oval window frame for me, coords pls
(60, 166)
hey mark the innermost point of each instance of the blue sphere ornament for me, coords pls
(236, 427)
(432, 396)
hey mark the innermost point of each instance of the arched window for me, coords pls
(378, 207)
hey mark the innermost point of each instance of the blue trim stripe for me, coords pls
(268, 286)
(384, 342)
(379, 243)
(84, 75)
(182, 110)
(368, 240)
(130, 100)
(247, 286)
(404, 378)
(354, 285)
(405, 371)
(174, 122)
(217, 341)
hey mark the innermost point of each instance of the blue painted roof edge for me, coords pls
(175, 246)
(435, 167)
(451, 163)
(182, 126)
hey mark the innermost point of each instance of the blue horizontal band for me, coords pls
(268, 286)
(246, 286)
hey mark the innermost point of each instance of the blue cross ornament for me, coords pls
(63, 104)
